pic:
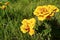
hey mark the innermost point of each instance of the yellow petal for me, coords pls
(36, 13)
(24, 21)
(52, 14)
(53, 8)
(57, 10)
(22, 27)
(31, 32)
(41, 18)
(32, 22)
(37, 10)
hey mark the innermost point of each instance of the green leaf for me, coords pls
(47, 31)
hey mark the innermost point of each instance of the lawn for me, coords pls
(17, 10)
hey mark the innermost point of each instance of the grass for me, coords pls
(20, 9)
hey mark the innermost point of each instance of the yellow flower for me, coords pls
(3, 7)
(44, 12)
(28, 25)
(6, 3)
(41, 12)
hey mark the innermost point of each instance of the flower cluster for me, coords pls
(3, 5)
(42, 12)
(28, 26)
(45, 12)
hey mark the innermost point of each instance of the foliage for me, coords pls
(17, 10)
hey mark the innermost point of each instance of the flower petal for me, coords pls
(41, 18)
(23, 29)
(31, 32)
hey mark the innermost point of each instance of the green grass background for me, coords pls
(20, 9)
